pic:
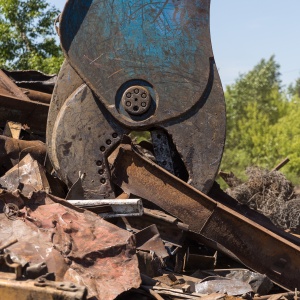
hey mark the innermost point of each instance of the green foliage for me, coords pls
(262, 122)
(287, 138)
(27, 36)
(294, 89)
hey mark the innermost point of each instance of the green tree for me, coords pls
(294, 89)
(255, 103)
(287, 138)
(27, 37)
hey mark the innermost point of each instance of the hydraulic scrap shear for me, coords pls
(136, 66)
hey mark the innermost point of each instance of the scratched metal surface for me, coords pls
(164, 45)
(67, 82)
(83, 134)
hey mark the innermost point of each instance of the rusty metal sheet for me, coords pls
(149, 240)
(76, 245)
(32, 79)
(215, 224)
(27, 176)
(171, 230)
(9, 89)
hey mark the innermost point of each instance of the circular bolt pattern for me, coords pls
(136, 100)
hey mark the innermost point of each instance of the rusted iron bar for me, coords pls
(8, 244)
(12, 289)
(37, 96)
(281, 164)
(215, 224)
(13, 150)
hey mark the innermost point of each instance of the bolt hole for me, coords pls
(114, 135)
(135, 108)
(136, 91)
(101, 172)
(128, 95)
(99, 163)
(128, 103)
(144, 95)
(103, 180)
(108, 142)
(102, 148)
(143, 104)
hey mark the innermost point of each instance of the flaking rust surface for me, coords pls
(78, 246)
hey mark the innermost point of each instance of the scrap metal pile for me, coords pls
(91, 210)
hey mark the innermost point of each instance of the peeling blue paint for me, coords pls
(166, 43)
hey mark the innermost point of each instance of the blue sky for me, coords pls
(245, 31)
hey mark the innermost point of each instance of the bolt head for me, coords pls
(139, 101)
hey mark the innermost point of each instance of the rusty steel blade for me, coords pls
(218, 225)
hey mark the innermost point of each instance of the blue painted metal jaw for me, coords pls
(138, 65)
(164, 46)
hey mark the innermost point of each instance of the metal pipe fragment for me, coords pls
(37, 96)
(119, 207)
